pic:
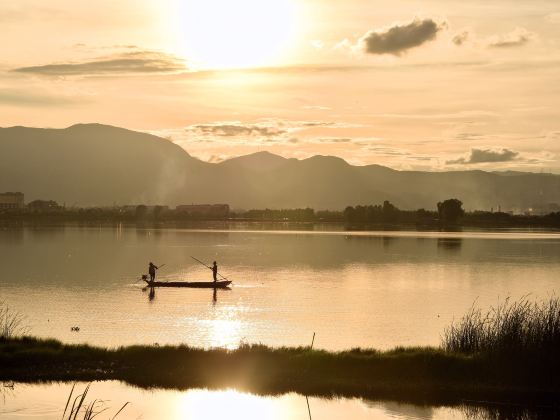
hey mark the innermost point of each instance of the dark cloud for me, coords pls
(231, 130)
(468, 136)
(388, 151)
(124, 63)
(461, 38)
(517, 38)
(317, 124)
(266, 128)
(334, 140)
(486, 156)
(400, 38)
(216, 159)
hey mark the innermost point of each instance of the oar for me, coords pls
(210, 268)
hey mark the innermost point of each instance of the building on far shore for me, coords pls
(212, 210)
(11, 201)
(43, 205)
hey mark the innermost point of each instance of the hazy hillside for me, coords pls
(92, 164)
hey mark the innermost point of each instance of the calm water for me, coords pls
(376, 289)
(48, 401)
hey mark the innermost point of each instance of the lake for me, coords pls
(47, 401)
(352, 289)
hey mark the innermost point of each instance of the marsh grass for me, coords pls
(12, 323)
(510, 328)
(86, 411)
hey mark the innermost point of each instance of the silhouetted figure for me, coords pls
(215, 271)
(152, 270)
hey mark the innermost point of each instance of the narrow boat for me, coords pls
(195, 284)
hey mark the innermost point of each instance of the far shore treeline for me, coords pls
(448, 213)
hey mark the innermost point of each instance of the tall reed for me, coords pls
(509, 327)
(80, 407)
(11, 322)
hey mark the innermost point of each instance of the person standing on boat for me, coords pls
(215, 271)
(152, 270)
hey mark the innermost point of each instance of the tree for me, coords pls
(450, 211)
(390, 212)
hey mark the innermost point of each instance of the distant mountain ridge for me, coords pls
(94, 164)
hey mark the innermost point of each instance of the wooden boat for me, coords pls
(195, 284)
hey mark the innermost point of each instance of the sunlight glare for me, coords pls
(230, 404)
(221, 34)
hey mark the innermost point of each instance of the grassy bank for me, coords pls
(411, 374)
(508, 353)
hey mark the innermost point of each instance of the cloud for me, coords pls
(334, 140)
(20, 97)
(237, 129)
(217, 158)
(486, 156)
(469, 136)
(123, 63)
(401, 37)
(265, 129)
(388, 151)
(461, 38)
(516, 38)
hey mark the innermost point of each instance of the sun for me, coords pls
(223, 34)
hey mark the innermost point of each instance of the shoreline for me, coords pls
(264, 226)
(420, 375)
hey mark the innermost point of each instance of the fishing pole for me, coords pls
(210, 268)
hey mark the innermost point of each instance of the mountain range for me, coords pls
(94, 164)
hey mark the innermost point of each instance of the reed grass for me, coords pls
(86, 411)
(510, 328)
(12, 323)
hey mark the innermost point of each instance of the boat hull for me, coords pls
(191, 284)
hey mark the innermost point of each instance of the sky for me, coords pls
(414, 85)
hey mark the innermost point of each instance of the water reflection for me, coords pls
(47, 401)
(152, 294)
(450, 244)
(403, 410)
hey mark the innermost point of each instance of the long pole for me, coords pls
(207, 266)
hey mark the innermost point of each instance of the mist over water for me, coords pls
(376, 289)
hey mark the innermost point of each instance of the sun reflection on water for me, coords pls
(230, 404)
(226, 333)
